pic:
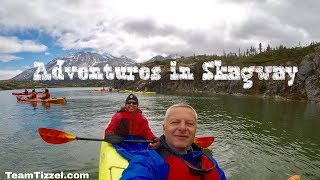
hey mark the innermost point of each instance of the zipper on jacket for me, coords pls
(132, 133)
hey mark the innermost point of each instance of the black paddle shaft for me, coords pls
(124, 140)
(89, 139)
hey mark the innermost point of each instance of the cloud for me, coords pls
(286, 21)
(8, 74)
(142, 29)
(8, 57)
(11, 45)
(268, 30)
(148, 28)
(14, 45)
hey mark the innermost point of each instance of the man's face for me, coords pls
(180, 129)
(131, 106)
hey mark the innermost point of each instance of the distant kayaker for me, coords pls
(26, 92)
(175, 156)
(46, 94)
(33, 95)
(129, 121)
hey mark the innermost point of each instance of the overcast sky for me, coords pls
(40, 30)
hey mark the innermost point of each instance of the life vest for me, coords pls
(181, 169)
(33, 96)
(46, 95)
(125, 123)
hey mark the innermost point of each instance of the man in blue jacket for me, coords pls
(175, 156)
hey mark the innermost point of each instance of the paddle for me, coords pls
(205, 141)
(53, 136)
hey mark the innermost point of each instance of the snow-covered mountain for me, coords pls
(80, 59)
(161, 58)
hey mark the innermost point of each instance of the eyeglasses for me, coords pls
(134, 103)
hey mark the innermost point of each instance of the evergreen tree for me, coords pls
(268, 48)
(260, 47)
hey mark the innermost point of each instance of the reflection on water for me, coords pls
(255, 138)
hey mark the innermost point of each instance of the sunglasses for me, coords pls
(134, 103)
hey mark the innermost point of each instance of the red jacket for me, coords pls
(46, 95)
(33, 95)
(124, 123)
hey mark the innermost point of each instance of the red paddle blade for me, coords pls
(204, 142)
(53, 136)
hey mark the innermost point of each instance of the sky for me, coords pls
(41, 30)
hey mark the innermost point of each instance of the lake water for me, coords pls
(256, 139)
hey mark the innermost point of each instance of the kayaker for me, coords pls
(129, 121)
(175, 156)
(46, 94)
(26, 92)
(33, 95)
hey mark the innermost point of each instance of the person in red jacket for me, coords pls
(46, 94)
(33, 95)
(129, 121)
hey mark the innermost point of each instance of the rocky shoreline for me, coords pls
(306, 85)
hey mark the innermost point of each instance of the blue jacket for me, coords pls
(150, 165)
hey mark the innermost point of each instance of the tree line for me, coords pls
(254, 51)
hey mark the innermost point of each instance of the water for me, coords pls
(258, 139)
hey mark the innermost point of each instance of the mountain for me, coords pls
(162, 58)
(80, 59)
(157, 58)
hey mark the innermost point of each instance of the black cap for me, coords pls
(132, 97)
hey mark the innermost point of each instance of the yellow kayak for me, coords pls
(111, 163)
(147, 92)
(106, 90)
(140, 92)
